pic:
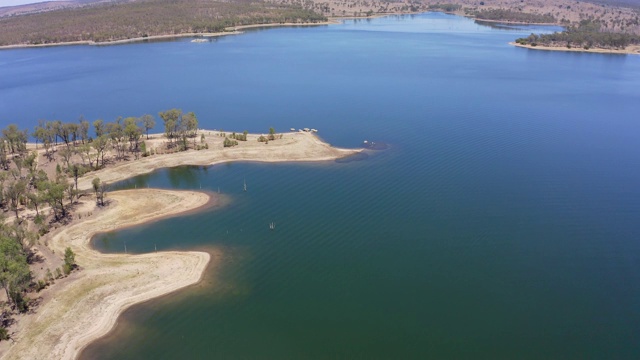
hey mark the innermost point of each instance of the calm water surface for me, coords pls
(503, 221)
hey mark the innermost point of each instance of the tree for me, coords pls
(54, 195)
(77, 171)
(100, 189)
(148, 122)
(34, 201)
(69, 260)
(16, 139)
(98, 126)
(83, 129)
(117, 136)
(85, 153)
(272, 134)
(100, 145)
(190, 124)
(132, 132)
(66, 154)
(14, 192)
(172, 119)
(14, 270)
(4, 160)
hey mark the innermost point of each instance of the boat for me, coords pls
(245, 185)
(272, 226)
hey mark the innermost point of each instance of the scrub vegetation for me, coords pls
(144, 18)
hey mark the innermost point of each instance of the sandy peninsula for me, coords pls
(294, 146)
(85, 306)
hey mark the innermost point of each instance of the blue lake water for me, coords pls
(502, 222)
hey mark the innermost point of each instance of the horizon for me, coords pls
(7, 3)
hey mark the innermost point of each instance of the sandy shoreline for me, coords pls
(85, 306)
(630, 50)
(294, 146)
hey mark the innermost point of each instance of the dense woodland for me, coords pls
(586, 35)
(109, 22)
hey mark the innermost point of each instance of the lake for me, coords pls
(502, 221)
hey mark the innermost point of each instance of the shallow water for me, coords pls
(501, 221)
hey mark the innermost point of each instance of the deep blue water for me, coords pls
(502, 222)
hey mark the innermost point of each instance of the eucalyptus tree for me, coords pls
(100, 145)
(98, 127)
(148, 122)
(83, 129)
(172, 119)
(14, 269)
(14, 192)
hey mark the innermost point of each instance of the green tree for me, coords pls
(171, 119)
(14, 270)
(100, 145)
(132, 132)
(69, 260)
(148, 122)
(100, 188)
(14, 193)
(16, 139)
(98, 127)
(272, 133)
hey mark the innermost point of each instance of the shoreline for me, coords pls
(85, 306)
(630, 50)
(232, 30)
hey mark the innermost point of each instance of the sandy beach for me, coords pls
(85, 306)
(632, 50)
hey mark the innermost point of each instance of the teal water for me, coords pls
(501, 222)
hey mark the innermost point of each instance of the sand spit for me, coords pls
(294, 146)
(86, 305)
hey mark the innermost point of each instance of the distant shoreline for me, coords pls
(629, 50)
(232, 30)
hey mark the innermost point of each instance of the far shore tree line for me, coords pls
(587, 34)
(40, 187)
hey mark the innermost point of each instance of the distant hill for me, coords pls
(46, 6)
(626, 3)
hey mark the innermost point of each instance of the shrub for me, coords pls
(4, 334)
